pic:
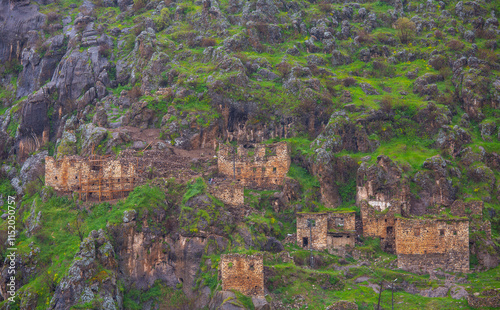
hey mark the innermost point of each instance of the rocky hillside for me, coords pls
(394, 99)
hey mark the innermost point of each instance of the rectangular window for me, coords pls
(454, 233)
(339, 222)
(274, 169)
(441, 232)
(417, 232)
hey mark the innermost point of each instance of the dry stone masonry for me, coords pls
(255, 165)
(428, 244)
(244, 273)
(93, 176)
(326, 230)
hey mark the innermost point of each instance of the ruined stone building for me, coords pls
(326, 230)
(379, 222)
(255, 165)
(95, 176)
(109, 177)
(244, 273)
(433, 243)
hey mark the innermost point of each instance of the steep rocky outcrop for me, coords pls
(92, 277)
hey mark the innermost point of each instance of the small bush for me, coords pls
(384, 38)
(455, 45)
(349, 81)
(491, 44)
(105, 50)
(439, 34)
(406, 29)
(386, 104)
(206, 42)
(53, 17)
(364, 37)
(134, 93)
(139, 4)
(486, 34)
(487, 55)
(284, 68)
(325, 6)
(438, 63)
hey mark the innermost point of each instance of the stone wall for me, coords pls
(244, 273)
(256, 165)
(342, 221)
(433, 243)
(380, 224)
(489, 299)
(69, 172)
(336, 241)
(229, 193)
(318, 232)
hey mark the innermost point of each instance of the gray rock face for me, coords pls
(438, 292)
(469, 36)
(78, 71)
(18, 18)
(91, 136)
(38, 69)
(33, 223)
(81, 284)
(458, 292)
(225, 300)
(33, 168)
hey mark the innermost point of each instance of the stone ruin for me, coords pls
(256, 166)
(244, 273)
(109, 177)
(433, 243)
(326, 230)
(228, 192)
(99, 177)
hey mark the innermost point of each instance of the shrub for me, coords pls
(405, 28)
(139, 4)
(206, 42)
(284, 68)
(455, 45)
(325, 6)
(386, 104)
(53, 17)
(135, 92)
(364, 37)
(105, 50)
(384, 38)
(438, 62)
(487, 55)
(491, 44)
(487, 34)
(439, 34)
(349, 81)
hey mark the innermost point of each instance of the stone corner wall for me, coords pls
(244, 273)
(261, 166)
(318, 233)
(433, 243)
